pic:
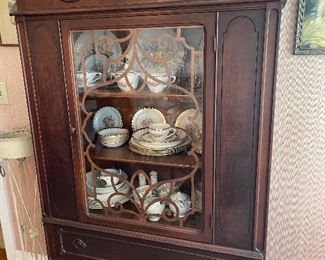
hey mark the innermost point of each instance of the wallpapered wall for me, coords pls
(21, 187)
(296, 224)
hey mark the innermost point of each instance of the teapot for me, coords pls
(183, 203)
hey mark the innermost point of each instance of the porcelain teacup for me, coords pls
(91, 77)
(159, 132)
(158, 87)
(141, 193)
(133, 78)
(153, 206)
(110, 176)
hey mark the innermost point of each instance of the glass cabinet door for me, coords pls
(141, 110)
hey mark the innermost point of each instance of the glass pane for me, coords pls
(140, 99)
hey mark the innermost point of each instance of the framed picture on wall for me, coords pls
(310, 38)
(8, 32)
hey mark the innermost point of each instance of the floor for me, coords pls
(2, 245)
(2, 254)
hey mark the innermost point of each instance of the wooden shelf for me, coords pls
(123, 154)
(194, 222)
(115, 92)
(140, 95)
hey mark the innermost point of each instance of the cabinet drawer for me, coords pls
(82, 244)
(73, 243)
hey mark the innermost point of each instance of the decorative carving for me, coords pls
(145, 54)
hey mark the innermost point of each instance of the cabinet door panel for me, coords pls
(240, 57)
(190, 173)
(51, 115)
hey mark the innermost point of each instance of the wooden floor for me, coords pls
(2, 254)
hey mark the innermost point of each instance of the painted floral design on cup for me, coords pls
(158, 87)
(161, 131)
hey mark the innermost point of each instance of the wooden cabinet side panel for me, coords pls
(240, 52)
(48, 93)
(272, 18)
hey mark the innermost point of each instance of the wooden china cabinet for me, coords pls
(152, 125)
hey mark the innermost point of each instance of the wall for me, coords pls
(296, 228)
(15, 114)
(21, 187)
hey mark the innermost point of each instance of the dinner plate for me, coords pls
(191, 122)
(146, 116)
(85, 40)
(188, 120)
(158, 44)
(107, 117)
(134, 146)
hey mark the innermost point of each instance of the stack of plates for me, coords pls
(103, 193)
(142, 143)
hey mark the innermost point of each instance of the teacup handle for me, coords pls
(171, 132)
(96, 77)
(173, 79)
(106, 179)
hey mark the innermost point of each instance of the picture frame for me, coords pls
(310, 36)
(8, 31)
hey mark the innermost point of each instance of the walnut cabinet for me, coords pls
(152, 125)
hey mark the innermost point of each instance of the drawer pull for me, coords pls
(78, 244)
(69, 1)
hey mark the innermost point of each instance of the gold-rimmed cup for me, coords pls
(159, 132)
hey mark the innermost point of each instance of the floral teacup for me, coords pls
(158, 87)
(159, 132)
(133, 78)
(91, 77)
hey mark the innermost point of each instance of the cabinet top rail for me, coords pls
(35, 7)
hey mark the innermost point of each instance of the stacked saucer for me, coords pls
(142, 142)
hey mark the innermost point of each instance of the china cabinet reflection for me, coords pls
(151, 124)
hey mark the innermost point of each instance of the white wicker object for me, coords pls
(16, 144)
